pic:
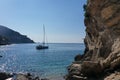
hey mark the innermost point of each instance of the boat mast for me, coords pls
(43, 34)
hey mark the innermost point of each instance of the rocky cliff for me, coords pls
(13, 36)
(101, 58)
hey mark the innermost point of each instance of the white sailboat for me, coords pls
(43, 45)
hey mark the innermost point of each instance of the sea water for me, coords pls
(50, 63)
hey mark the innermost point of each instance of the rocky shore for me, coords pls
(101, 58)
(19, 76)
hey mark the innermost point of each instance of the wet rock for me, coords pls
(4, 75)
(19, 76)
(45, 79)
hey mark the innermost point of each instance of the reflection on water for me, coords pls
(50, 63)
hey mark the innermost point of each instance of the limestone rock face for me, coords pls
(102, 40)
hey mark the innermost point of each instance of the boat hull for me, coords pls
(40, 47)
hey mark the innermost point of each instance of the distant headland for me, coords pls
(9, 36)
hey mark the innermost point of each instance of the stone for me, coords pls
(89, 68)
(113, 76)
(4, 75)
(75, 77)
(21, 77)
(45, 79)
(78, 57)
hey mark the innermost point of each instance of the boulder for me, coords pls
(4, 75)
(78, 57)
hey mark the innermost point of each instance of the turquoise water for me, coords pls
(50, 63)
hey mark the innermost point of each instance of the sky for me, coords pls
(63, 19)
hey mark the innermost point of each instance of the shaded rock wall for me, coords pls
(102, 41)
